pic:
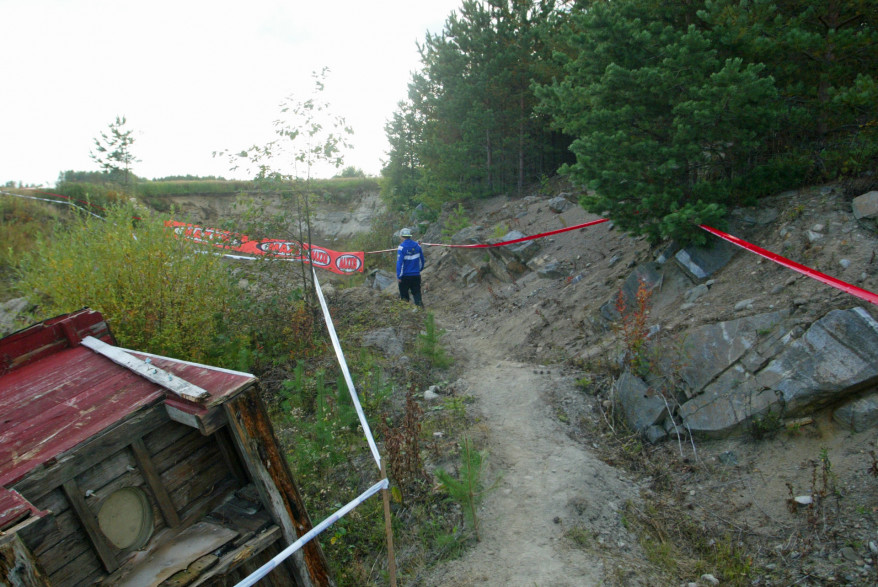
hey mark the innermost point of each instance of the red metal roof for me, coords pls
(56, 394)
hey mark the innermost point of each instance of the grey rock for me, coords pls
(859, 414)
(523, 251)
(744, 305)
(710, 349)
(649, 274)
(702, 262)
(641, 408)
(655, 434)
(467, 236)
(728, 405)
(384, 339)
(835, 357)
(381, 280)
(866, 206)
(430, 395)
(756, 216)
(551, 270)
(10, 311)
(667, 253)
(695, 293)
(559, 204)
(813, 236)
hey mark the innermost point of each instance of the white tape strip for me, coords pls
(51, 201)
(344, 369)
(273, 563)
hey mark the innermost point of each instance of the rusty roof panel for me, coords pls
(55, 394)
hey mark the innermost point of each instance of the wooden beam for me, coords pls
(207, 423)
(252, 431)
(18, 565)
(148, 371)
(230, 455)
(151, 475)
(90, 524)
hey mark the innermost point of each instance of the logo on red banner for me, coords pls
(349, 263)
(341, 263)
(280, 248)
(320, 257)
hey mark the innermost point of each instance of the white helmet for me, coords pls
(405, 232)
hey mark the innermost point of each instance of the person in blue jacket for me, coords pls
(409, 263)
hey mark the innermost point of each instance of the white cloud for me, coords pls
(196, 76)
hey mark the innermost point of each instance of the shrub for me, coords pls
(157, 293)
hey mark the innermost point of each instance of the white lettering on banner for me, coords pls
(348, 263)
(280, 248)
(320, 257)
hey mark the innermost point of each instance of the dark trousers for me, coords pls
(410, 283)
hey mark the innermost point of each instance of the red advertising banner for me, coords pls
(341, 263)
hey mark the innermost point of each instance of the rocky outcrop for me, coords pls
(746, 369)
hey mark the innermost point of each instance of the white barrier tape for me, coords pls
(273, 563)
(51, 201)
(344, 369)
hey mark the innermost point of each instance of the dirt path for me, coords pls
(549, 487)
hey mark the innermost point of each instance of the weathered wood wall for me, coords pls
(191, 468)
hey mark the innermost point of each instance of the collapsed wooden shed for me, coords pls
(124, 468)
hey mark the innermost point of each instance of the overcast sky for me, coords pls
(196, 76)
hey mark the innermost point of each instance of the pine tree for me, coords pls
(112, 151)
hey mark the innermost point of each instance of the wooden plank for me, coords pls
(90, 524)
(253, 434)
(211, 473)
(190, 477)
(64, 552)
(172, 455)
(230, 455)
(164, 436)
(203, 505)
(174, 554)
(241, 555)
(150, 473)
(66, 466)
(18, 566)
(148, 371)
(206, 421)
(73, 574)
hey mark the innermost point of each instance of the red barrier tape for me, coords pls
(290, 250)
(812, 273)
(504, 243)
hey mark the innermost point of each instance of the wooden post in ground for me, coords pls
(388, 528)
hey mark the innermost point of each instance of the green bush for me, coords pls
(157, 292)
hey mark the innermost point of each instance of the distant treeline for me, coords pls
(669, 113)
(101, 188)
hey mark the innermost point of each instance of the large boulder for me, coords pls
(837, 356)
(710, 349)
(771, 367)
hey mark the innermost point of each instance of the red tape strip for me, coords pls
(505, 243)
(812, 273)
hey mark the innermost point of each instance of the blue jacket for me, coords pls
(409, 258)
